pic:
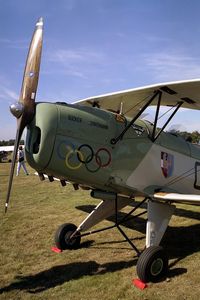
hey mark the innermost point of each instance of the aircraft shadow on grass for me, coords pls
(58, 275)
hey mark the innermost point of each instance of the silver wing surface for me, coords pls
(176, 197)
(187, 92)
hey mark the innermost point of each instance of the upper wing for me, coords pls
(172, 92)
(175, 197)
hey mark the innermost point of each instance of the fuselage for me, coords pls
(73, 143)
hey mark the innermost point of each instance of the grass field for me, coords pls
(104, 266)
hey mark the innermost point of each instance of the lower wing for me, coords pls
(175, 197)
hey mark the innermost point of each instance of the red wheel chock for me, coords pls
(56, 250)
(139, 284)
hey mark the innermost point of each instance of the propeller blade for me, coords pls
(12, 169)
(24, 109)
(31, 74)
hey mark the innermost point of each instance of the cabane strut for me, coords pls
(155, 134)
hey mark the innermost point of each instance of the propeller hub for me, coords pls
(17, 109)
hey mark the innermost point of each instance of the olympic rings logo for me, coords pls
(84, 155)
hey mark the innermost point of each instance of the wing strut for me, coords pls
(155, 134)
(115, 140)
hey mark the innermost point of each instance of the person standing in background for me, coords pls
(21, 161)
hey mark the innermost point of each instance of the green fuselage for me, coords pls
(72, 142)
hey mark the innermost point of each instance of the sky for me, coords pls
(93, 47)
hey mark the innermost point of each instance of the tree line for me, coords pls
(193, 136)
(10, 142)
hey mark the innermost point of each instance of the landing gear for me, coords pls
(65, 239)
(152, 264)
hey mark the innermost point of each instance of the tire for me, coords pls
(152, 264)
(62, 237)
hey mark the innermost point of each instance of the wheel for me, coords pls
(62, 237)
(152, 264)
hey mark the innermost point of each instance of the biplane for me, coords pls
(104, 145)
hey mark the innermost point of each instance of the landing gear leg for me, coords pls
(153, 262)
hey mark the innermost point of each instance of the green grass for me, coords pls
(104, 266)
